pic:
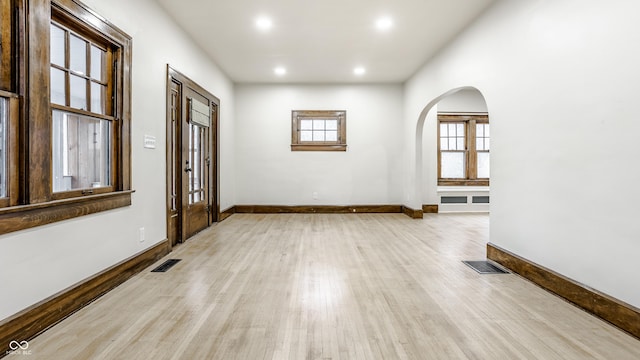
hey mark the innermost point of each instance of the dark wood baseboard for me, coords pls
(32, 321)
(316, 209)
(430, 209)
(622, 315)
(226, 213)
(412, 213)
(328, 209)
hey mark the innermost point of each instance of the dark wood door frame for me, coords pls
(176, 80)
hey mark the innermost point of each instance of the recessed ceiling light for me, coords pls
(264, 23)
(280, 71)
(359, 70)
(384, 23)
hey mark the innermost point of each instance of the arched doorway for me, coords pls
(466, 187)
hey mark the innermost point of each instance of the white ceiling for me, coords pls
(322, 41)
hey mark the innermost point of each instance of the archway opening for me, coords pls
(452, 159)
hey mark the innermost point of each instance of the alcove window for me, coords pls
(463, 149)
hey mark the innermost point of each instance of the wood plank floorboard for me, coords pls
(327, 286)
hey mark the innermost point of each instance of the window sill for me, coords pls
(23, 217)
(298, 147)
(465, 189)
(461, 182)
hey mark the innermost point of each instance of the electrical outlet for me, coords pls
(315, 195)
(141, 233)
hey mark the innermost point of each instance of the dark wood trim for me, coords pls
(226, 213)
(430, 209)
(8, 94)
(316, 209)
(181, 78)
(412, 213)
(32, 321)
(27, 216)
(214, 193)
(462, 182)
(38, 117)
(7, 39)
(624, 316)
(481, 117)
(339, 145)
(329, 209)
(82, 112)
(13, 154)
(318, 147)
(172, 136)
(91, 19)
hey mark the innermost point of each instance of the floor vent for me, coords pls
(166, 265)
(485, 267)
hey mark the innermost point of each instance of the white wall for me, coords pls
(466, 100)
(42, 261)
(268, 172)
(561, 82)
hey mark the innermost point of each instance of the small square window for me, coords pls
(318, 130)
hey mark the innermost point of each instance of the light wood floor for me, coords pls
(357, 286)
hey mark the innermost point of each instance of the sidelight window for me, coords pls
(198, 162)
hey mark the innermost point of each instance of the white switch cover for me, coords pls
(141, 234)
(149, 142)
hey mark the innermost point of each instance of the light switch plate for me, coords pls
(149, 142)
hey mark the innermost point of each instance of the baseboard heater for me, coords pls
(464, 199)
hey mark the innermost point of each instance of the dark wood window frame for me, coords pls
(31, 201)
(471, 158)
(12, 105)
(297, 144)
(8, 32)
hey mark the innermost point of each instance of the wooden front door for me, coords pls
(191, 158)
(196, 162)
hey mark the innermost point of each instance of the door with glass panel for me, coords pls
(196, 159)
(191, 165)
